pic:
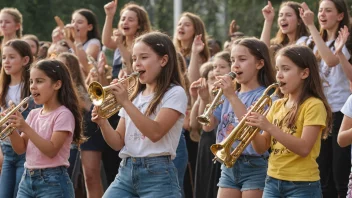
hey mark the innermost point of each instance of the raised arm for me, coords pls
(339, 45)
(308, 18)
(196, 59)
(269, 14)
(107, 35)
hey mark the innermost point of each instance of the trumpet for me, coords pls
(242, 132)
(8, 112)
(204, 119)
(103, 98)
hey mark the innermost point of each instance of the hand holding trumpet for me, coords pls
(226, 84)
(118, 88)
(17, 121)
(258, 120)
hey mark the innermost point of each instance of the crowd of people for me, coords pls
(62, 145)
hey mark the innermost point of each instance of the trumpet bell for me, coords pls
(203, 120)
(97, 93)
(221, 155)
(217, 150)
(105, 100)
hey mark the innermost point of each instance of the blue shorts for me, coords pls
(149, 177)
(248, 173)
(300, 189)
(46, 183)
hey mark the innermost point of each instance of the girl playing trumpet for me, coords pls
(294, 126)
(251, 63)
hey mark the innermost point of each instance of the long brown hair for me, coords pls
(67, 95)
(23, 49)
(33, 38)
(199, 28)
(205, 69)
(282, 39)
(183, 68)
(169, 75)
(73, 66)
(259, 50)
(341, 7)
(304, 58)
(72, 63)
(224, 55)
(142, 16)
(91, 19)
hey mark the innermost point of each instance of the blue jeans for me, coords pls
(148, 177)
(46, 183)
(181, 161)
(248, 173)
(280, 188)
(12, 170)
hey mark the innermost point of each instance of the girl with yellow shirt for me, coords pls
(294, 126)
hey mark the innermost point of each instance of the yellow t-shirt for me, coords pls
(284, 164)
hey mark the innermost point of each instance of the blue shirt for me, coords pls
(228, 120)
(117, 63)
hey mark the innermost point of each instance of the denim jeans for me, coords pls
(248, 173)
(12, 170)
(181, 160)
(280, 188)
(46, 183)
(148, 177)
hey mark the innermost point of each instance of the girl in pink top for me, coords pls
(48, 132)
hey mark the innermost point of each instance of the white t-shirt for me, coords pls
(335, 83)
(347, 111)
(347, 108)
(302, 40)
(138, 145)
(92, 41)
(14, 94)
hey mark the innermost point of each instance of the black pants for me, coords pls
(334, 163)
